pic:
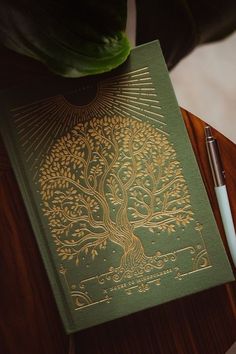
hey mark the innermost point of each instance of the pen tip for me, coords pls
(208, 132)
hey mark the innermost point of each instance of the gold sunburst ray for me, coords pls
(129, 89)
(146, 88)
(37, 168)
(135, 92)
(34, 111)
(138, 94)
(35, 115)
(35, 176)
(132, 96)
(59, 122)
(44, 130)
(30, 125)
(144, 79)
(106, 109)
(29, 156)
(127, 81)
(128, 106)
(28, 105)
(58, 129)
(149, 100)
(48, 127)
(123, 98)
(156, 107)
(71, 119)
(135, 84)
(124, 84)
(128, 97)
(132, 73)
(137, 110)
(144, 94)
(67, 119)
(99, 108)
(127, 114)
(38, 115)
(103, 105)
(123, 113)
(155, 114)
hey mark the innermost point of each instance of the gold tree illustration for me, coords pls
(106, 179)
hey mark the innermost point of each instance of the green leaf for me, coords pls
(72, 38)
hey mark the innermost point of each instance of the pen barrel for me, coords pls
(215, 162)
(225, 211)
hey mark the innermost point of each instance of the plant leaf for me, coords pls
(72, 38)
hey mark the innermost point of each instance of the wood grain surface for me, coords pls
(203, 323)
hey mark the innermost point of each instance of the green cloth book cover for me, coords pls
(113, 191)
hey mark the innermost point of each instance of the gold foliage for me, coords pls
(118, 164)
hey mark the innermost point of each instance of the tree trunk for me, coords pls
(133, 249)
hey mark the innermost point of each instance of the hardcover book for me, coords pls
(113, 191)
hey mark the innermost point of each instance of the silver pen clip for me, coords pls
(214, 158)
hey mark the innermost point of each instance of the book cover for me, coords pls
(113, 190)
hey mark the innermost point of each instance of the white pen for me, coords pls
(221, 191)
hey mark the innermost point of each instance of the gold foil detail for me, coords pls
(112, 163)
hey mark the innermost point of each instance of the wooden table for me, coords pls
(203, 323)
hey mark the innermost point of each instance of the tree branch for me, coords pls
(150, 223)
(108, 168)
(176, 178)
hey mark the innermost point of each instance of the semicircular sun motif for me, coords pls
(129, 95)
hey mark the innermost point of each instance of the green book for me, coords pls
(113, 190)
